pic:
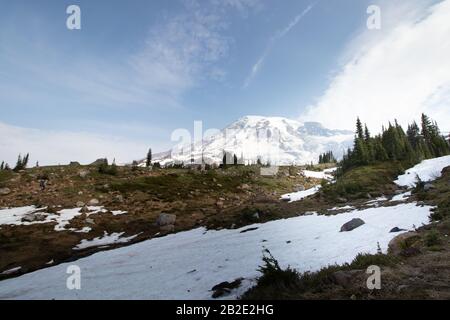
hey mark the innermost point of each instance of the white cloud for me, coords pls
(280, 34)
(53, 147)
(396, 72)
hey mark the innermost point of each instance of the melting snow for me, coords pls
(107, 239)
(427, 170)
(401, 197)
(297, 196)
(187, 265)
(14, 216)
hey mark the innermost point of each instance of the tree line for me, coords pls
(414, 145)
(21, 163)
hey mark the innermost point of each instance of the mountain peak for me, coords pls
(277, 140)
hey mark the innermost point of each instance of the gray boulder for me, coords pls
(352, 224)
(165, 219)
(4, 191)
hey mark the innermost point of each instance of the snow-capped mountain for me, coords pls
(275, 140)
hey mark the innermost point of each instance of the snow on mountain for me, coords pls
(276, 140)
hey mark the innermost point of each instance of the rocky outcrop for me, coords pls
(402, 242)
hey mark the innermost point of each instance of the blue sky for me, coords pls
(139, 69)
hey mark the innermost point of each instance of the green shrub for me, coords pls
(432, 238)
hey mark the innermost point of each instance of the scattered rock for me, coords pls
(225, 288)
(4, 191)
(299, 187)
(84, 209)
(165, 219)
(352, 224)
(31, 217)
(93, 202)
(428, 187)
(256, 216)
(397, 229)
(83, 173)
(80, 204)
(90, 221)
(118, 198)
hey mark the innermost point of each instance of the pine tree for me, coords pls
(235, 160)
(359, 129)
(366, 133)
(148, 162)
(2, 166)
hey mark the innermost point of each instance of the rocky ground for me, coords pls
(156, 202)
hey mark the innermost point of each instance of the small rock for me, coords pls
(256, 216)
(352, 224)
(165, 219)
(396, 229)
(83, 173)
(118, 198)
(4, 191)
(84, 209)
(80, 204)
(428, 187)
(90, 221)
(93, 202)
(299, 187)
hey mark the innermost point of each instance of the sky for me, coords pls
(137, 70)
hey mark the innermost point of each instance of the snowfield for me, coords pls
(297, 196)
(427, 170)
(187, 265)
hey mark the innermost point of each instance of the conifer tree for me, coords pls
(148, 162)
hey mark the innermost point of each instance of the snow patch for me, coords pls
(106, 240)
(427, 170)
(297, 196)
(161, 268)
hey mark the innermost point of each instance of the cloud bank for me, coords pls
(53, 147)
(397, 72)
